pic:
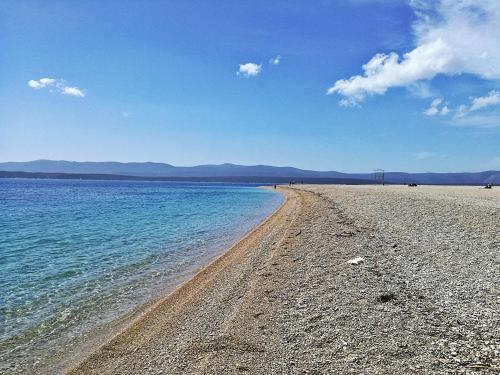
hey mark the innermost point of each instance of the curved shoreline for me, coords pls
(142, 313)
(287, 300)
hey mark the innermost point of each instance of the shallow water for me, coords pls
(75, 255)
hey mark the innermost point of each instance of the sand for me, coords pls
(421, 298)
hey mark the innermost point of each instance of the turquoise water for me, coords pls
(75, 255)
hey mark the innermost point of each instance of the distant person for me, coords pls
(274, 186)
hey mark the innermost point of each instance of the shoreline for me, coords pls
(287, 298)
(119, 326)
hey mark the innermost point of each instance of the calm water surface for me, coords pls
(75, 255)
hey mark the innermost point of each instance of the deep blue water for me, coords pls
(77, 254)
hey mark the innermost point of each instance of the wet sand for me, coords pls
(285, 299)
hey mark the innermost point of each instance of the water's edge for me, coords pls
(105, 333)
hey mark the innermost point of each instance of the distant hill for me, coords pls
(233, 172)
(235, 179)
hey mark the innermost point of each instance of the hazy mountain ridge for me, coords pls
(150, 169)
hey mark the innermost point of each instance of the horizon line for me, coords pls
(245, 165)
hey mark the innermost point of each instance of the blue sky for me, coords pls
(349, 85)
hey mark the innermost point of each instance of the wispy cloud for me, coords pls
(493, 98)
(126, 114)
(436, 108)
(479, 112)
(452, 37)
(348, 102)
(433, 108)
(478, 104)
(275, 60)
(476, 120)
(249, 69)
(421, 89)
(422, 155)
(58, 85)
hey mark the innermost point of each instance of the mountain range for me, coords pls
(238, 172)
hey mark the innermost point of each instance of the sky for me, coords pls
(347, 85)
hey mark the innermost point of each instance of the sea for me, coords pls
(78, 255)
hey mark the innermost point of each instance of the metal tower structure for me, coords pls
(379, 176)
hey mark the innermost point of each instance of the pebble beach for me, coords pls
(339, 280)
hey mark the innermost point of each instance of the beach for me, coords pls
(340, 279)
(79, 260)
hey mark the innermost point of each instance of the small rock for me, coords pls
(356, 260)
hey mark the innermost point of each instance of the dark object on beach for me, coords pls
(413, 184)
(488, 186)
(274, 186)
(386, 297)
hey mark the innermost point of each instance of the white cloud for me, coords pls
(275, 60)
(73, 91)
(431, 111)
(445, 110)
(58, 84)
(492, 98)
(126, 114)
(466, 115)
(452, 37)
(434, 108)
(42, 82)
(249, 69)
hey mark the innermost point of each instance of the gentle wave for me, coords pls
(74, 255)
